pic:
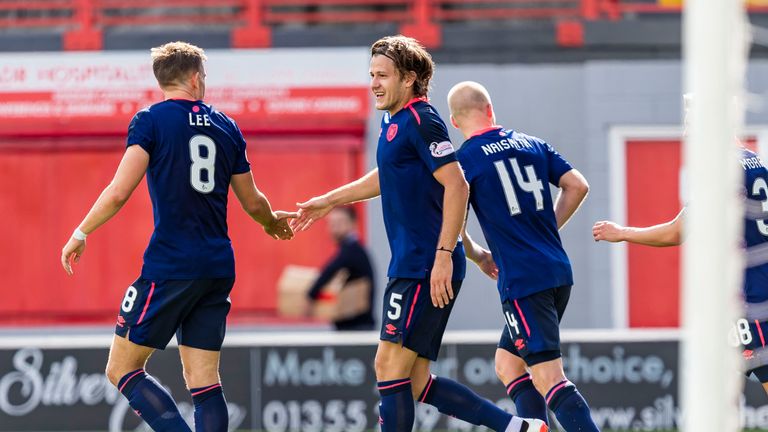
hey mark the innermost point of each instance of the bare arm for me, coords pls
(366, 187)
(255, 203)
(573, 191)
(129, 173)
(455, 198)
(479, 255)
(661, 235)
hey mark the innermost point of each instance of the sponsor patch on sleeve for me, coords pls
(441, 149)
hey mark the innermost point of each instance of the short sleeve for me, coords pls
(141, 131)
(242, 165)
(557, 165)
(432, 142)
(466, 164)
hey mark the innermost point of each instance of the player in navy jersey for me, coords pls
(753, 327)
(424, 201)
(509, 174)
(191, 154)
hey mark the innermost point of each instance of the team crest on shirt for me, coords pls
(441, 149)
(391, 131)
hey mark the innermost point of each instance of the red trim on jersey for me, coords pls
(482, 131)
(525, 323)
(414, 100)
(760, 332)
(415, 298)
(415, 114)
(146, 305)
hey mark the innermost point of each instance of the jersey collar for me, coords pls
(482, 131)
(414, 100)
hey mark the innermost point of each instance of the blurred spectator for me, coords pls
(354, 311)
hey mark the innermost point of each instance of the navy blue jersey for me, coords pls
(413, 144)
(508, 174)
(193, 152)
(755, 231)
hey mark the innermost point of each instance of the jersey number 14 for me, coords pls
(531, 185)
(202, 183)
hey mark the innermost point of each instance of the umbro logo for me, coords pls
(390, 329)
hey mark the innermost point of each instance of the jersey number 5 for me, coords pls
(531, 185)
(203, 183)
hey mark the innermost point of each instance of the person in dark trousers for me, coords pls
(352, 259)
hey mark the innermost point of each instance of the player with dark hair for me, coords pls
(191, 154)
(424, 201)
(509, 175)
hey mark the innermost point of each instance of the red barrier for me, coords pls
(48, 190)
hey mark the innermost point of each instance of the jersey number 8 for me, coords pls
(202, 164)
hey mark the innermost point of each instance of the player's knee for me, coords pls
(388, 367)
(503, 373)
(114, 373)
(508, 367)
(200, 376)
(380, 364)
(546, 378)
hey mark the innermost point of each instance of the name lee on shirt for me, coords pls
(199, 120)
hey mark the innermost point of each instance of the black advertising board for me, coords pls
(631, 385)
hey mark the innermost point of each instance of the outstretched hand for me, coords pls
(71, 252)
(607, 230)
(488, 265)
(279, 228)
(309, 212)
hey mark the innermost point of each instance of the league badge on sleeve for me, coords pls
(441, 149)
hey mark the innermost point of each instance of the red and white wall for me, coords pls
(646, 183)
(63, 121)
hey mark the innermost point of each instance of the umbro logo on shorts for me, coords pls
(390, 329)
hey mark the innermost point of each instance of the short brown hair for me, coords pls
(174, 61)
(408, 55)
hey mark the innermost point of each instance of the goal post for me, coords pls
(715, 58)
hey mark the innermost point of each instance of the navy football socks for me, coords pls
(152, 402)
(570, 408)
(529, 403)
(396, 410)
(211, 413)
(454, 399)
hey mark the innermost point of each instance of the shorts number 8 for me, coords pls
(129, 299)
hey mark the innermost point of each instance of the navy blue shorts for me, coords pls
(533, 325)
(752, 336)
(409, 316)
(195, 310)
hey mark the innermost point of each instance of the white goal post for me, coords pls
(714, 50)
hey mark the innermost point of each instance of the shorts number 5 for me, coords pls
(396, 309)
